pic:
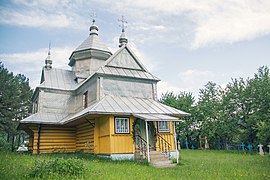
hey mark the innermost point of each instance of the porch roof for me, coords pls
(156, 117)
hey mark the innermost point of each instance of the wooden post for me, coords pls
(176, 149)
(147, 141)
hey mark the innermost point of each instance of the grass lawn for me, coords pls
(193, 165)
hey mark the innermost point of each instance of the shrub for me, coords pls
(60, 166)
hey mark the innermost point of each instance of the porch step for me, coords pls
(159, 160)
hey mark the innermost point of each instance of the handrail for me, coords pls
(164, 145)
(141, 145)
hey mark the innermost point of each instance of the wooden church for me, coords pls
(106, 105)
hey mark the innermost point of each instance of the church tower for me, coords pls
(89, 56)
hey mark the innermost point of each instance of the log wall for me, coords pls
(54, 139)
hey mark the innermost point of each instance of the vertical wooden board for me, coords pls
(104, 145)
(122, 144)
(111, 124)
(85, 138)
(104, 135)
(104, 126)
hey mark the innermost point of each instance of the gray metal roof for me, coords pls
(126, 72)
(156, 117)
(45, 118)
(147, 109)
(58, 79)
(128, 105)
(93, 42)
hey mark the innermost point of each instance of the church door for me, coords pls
(139, 129)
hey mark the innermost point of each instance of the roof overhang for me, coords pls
(157, 117)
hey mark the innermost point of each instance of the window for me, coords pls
(121, 125)
(85, 99)
(35, 106)
(164, 126)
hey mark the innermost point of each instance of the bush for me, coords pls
(67, 167)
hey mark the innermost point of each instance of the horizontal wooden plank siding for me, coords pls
(85, 137)
(54, 139)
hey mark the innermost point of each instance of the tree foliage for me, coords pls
(238, 113)
(15, 104)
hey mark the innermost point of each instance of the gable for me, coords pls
(124, 58)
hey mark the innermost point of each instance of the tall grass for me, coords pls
(193, 165)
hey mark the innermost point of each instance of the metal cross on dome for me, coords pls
(124, 23)
(49, 52)
(93, 15)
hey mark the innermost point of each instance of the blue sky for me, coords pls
(185, 43)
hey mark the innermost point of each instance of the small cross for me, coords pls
(93, 15)
(49, 53)
(123, 21)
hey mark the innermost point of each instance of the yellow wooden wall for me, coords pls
(102, 135)
(107, 142)
(54, 139)
(98, 137)
(122, 143)
(167, 136)
(85, 137)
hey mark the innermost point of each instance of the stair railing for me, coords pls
(141, 146)
(164, 145)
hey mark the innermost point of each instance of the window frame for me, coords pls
(85, 99)
(163, 130)
(115, 125)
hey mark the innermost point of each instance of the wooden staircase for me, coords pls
(160, 160)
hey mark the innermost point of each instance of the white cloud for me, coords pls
(194, 79)
(34, 18)
(214, 21)
(201, 23)
(44, 14)
(30, 63)
(164, 87)
(232, 21)
(193, 76)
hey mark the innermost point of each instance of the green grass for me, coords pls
(193, 165)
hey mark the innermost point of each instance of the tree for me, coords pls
(183, 101)
(246, 108)
(15, 94)
(209, 112)
(240, 113)
(258, 124)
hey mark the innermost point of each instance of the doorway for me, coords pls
(139, 129)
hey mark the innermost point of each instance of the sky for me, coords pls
(185, 43)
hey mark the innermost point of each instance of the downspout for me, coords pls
(147, 142)
(175, 141)
(38, 143)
